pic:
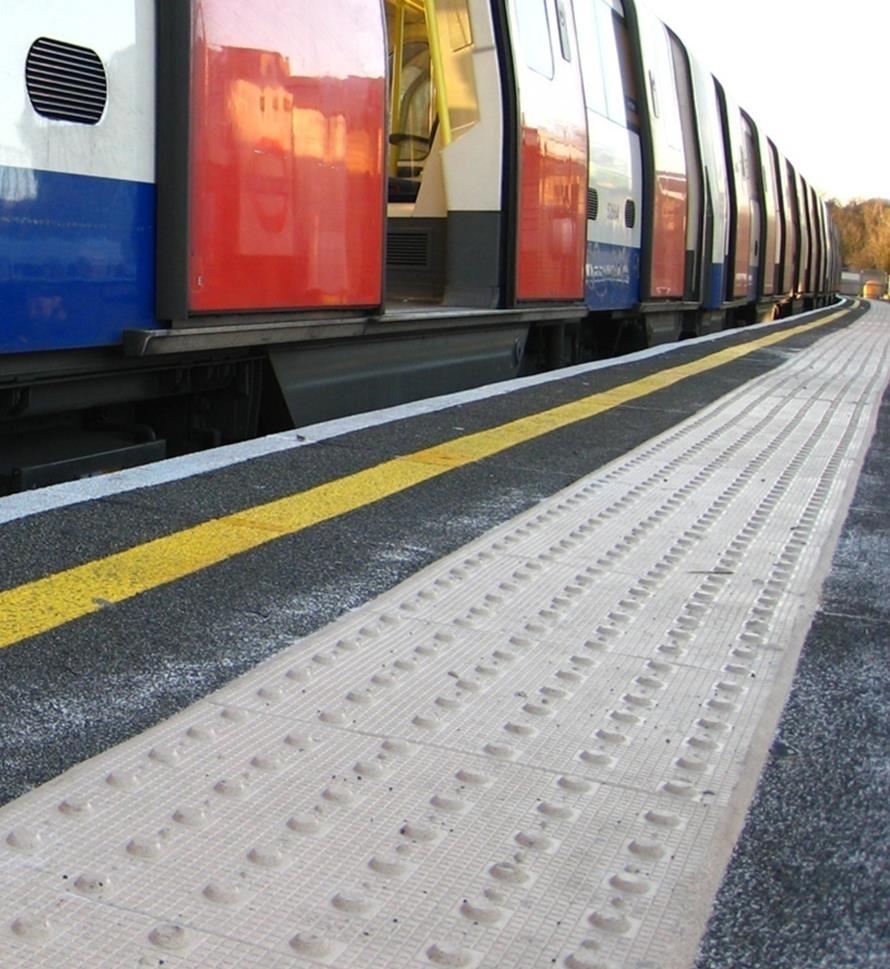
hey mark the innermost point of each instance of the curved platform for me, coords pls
(537, 750)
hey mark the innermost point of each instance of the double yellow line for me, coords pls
(44, 604)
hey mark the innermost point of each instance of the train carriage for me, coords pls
(215, 224)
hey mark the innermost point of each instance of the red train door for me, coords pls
(552, 151)
(271, 188)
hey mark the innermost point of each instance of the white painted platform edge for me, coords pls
(13, 507)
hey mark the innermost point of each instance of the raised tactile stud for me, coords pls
(481, 909)
(76, 807)
(586, 956)
(449, 956)
(388, 864)
(167, 756)
(449, 803)
(221, 892)
(145, 848)
(352, 901)
(32, 928)
(23, 839)
(91, 885)
(576, 785)
(614, 923)
(510, 872)
(311, 944)
(230, 787)
(646, 848)
(535, 840)
(305, 823)
(171, 937)
(662, 819)
(122, 780)
(266, 856)
(630, 882)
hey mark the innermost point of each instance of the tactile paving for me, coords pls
(537, 751)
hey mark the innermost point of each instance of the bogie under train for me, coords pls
(219, 218)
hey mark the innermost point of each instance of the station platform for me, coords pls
(485, 681)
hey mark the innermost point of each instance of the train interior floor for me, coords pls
(487, 680)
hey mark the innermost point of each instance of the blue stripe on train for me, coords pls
(77, 259)
(613, 276)
(716, 294)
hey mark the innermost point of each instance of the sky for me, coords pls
(815, 75)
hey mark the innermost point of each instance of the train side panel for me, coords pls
(614, 197)
(787, 234)
(791, 216)
(771, 250)
(815, 241)
(803, 219)
(744, 202)
(825, 286)
(76, 173)
(552, 191)
(713, 151)
(694, 170)
(666, 181)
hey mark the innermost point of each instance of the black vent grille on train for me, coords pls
(66, 82)
(593, 204)
(630, 213)
(408, 249)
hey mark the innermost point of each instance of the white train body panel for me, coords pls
(121, 145)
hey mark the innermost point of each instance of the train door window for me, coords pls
(600, 67)
(563, 28)
(664, 87)
(625, 64)
(615, 98)
(591, 45)
(748, 156)
(534, 36)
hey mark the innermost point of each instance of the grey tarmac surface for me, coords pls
(79, 689)
(809, 883)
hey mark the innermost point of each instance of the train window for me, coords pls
(563, 27)
(589, 46)
(611, 66)
(625, 64)
(663, 85)
(534, 35)
(66, 82)
(604, 88)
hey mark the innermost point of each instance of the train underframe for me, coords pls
(68, 415)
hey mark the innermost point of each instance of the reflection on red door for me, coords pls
(552, 212)
(287, 154)
(669, 236)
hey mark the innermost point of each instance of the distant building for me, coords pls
(869, 283)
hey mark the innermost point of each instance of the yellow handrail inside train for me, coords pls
(432, 26)
(397, 45)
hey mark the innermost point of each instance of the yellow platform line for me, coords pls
(44, 604)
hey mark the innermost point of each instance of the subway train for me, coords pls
(220, 218)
